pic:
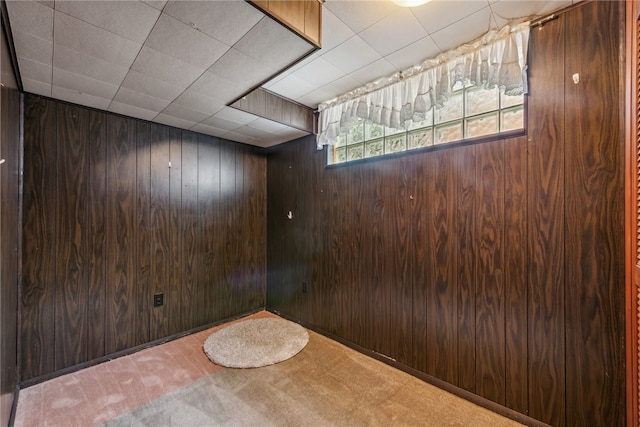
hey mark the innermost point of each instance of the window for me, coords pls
(469, 112)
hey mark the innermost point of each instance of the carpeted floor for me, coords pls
(175, 384)
(326, 384)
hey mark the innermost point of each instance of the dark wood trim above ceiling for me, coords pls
(271, 106)
(6, 27)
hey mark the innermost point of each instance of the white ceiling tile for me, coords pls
(131, 111)
(219, 123)
(34, 70)
(78, 83)
(226, 21)
(506, 11)
(293, 133)
(292, 87)
(268, 125)
(32, 47)
(31, 17)
(393, 32)
(272, 44)
(352, 55)
(238, 137)
(208, 130)
(37, 87)
(151, 86)
(341, 86)
(184, 113)
(79, 98)
(218, 87)
(239, 67)
(140, 100)
(380, 68)
(129, 19)
(318, 73)
(158, 4)
(173, 121)
(414, 54)
(249, 131)
(465, 30)
(359, 15)
(91, 40)
(438, 14)
(318, 96)
(235, 115)
(334, 31)
(48, 3)
(197, 101)
(181, 41)
(89, 66)
(166, 68)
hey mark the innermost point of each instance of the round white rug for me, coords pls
(255, 342)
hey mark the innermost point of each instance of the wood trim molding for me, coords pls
(632, 127)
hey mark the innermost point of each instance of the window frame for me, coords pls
(331, 151)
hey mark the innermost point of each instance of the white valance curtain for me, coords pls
(499, 58)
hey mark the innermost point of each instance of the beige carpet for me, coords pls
(326, 384)
(255, 343)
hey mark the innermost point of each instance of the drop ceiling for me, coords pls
(182, 62)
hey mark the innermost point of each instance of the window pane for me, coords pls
(396, 143)
(421, 138)
(480, 100)
(451, 110)
(355, 152)
(449, 132)
(341, 155)
(482, 125)
(428, 121)
(342, 140)
(513, 118)
(509, 101)
(392, 131)
(356, 134)
(374, 148)
(372, 131)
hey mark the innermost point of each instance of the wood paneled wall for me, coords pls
(496, 267)
(117, 209)
(9, 244)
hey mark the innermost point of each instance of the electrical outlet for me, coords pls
(158, 299)
(304, 287)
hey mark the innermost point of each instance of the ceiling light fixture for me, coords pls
(410, 3)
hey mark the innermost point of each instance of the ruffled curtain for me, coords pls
(499, 58)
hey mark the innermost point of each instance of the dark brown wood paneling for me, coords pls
(122, 323)
(225, 232)
(174, 297)
(142, 233)
(71, 233)
(594, 226)
(515, 260)
(490, 318)
(189, 230)
(421, 252)
(39, 238)
(208, 238)
(97, 285)
(398, 241)
(254, 233)
(441, 282)
(159, 231)
(545, 209)
(110, 223)
(466, 232)
(10, 224)
(515, 273)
